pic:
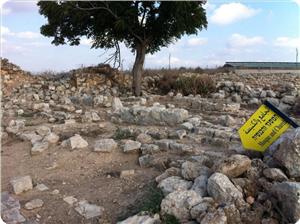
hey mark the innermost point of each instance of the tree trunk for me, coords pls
(138, 69)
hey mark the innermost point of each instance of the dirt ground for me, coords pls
(80, 173)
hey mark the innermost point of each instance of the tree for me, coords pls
(144, 26)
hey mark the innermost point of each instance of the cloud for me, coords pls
(10, 7)
(5, 31)
(297, 2)
(85, 41)
(287, 42)
(192, 42)
(232, 12)
(209, 7)
(28, 35)
(238, 41)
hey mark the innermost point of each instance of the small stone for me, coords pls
(95, 116)
(131, 146)
(51, 138)
(77, 142)
(126, 173)
(149, 149)
(275, 174)
(70, 122)
(43, 130)
(88, 210)
(250, 200)
(187, 126)
(141, 219)
(20, 112)
(105, 145)
(70, 200)
(56, 191)
(116, 104)
(144, 138)
(21, 184)
(145, 160)
(39, 147)
(41, 187)
(33, 204)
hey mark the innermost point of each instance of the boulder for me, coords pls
(174, 183)
(288, 195)
(288, 153)
(179, 203)
(39, 147)
(131, 146)
(200, 185)
(10, 209)
(88, 210)
(21, 184)
(233, 166)
(51, 138)
(191, 170)
(199, 210)
(222, 189)
(275, 174)
(77, 142)
(105, 145)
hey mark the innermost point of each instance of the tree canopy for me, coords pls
(144, 26)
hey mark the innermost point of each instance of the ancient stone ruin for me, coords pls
(79, 148)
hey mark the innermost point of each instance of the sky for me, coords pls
(245, 30)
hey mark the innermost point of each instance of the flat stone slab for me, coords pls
(88, 210)
(21, 184)
(105, 145)
(33, 204)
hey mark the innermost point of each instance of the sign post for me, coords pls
(264, 127)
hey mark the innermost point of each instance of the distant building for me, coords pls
(263, 67)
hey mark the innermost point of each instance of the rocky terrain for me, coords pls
(79, 148)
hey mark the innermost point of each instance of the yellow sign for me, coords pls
(262, 129)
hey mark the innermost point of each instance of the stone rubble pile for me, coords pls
(210, 189)
(284, 95)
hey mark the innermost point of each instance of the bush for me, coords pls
(195, 84)
(167, 83)
(152, 200)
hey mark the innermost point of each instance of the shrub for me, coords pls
(167, 83)
(195, 84)
(152, 200)
(123, 133)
